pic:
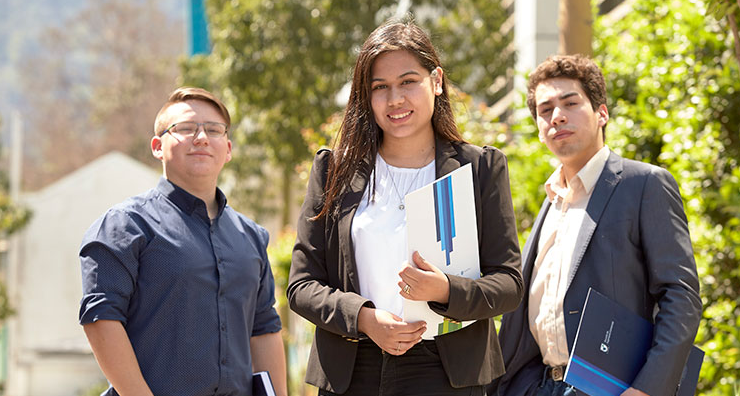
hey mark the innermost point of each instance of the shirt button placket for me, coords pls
(221, 303)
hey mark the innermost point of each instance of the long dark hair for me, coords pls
(359, 135)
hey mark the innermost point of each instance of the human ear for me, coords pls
(436, 76)
(156, 145)
(603, 115)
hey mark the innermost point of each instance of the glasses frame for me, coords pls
(198, 126)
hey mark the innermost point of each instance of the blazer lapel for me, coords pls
(603, 190)
(445, 162)
(347, 209)
(444, 158)
(530, 247)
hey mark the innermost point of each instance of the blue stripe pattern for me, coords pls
(592, 380)
(444, 212)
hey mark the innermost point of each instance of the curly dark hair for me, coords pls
(576, 67)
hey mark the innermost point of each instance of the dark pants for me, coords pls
(550, 387)
(417, 372)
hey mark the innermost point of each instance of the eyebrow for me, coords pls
(410, 72)
(561, 97)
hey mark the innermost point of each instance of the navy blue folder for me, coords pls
(262, 384)
(690, 375)
(611, 347)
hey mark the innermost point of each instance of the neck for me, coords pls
(408, 153)
(571, 166)
(569, 171)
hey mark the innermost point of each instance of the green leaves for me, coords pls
(721, 8)
(675, 91)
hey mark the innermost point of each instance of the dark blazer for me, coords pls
(324, 286)
(637, 251)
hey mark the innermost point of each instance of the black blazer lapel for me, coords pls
(347, 209)
(444, 157)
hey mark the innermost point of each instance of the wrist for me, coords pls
(444, 297)
(364, 318)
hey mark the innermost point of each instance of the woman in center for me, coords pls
(348, 273)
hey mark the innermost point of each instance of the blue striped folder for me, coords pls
(441, 225)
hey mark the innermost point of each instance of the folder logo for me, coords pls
(444, 212)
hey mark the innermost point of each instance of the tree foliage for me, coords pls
(280, 66)
(675, 91)
(12, 219)
(475, 38)
(729, 9)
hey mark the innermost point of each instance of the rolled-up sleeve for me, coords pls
(109, 258)
(266, 318)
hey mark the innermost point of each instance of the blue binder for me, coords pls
(611, 347)
(262, 384)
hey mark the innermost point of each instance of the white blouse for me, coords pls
(379, 232)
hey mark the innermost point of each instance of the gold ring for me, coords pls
(407, 289)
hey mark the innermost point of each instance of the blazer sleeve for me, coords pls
(672, 280)
(314, 290)
(500, 287)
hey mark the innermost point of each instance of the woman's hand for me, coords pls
(425, 283)
(388, 331)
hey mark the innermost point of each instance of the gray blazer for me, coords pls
(637, 251)
(324, 287)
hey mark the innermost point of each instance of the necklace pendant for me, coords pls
(401, 206)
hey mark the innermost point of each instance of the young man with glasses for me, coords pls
(178, 293)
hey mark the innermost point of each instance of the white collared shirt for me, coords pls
(553, 267)
(379, 232)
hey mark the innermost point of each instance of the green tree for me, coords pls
(475, 38)
(279, 65)
(675, 91)
(12, 219)
(729, 9)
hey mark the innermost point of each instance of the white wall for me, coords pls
(48, 353)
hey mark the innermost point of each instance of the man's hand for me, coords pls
(388, 331)
(634, 392)
(425, 283)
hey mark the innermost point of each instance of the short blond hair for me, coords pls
(183, 94)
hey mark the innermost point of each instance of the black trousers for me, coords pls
(417, 372)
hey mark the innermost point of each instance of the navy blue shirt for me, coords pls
(189, 291)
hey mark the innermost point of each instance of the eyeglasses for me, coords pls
(187, 129)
